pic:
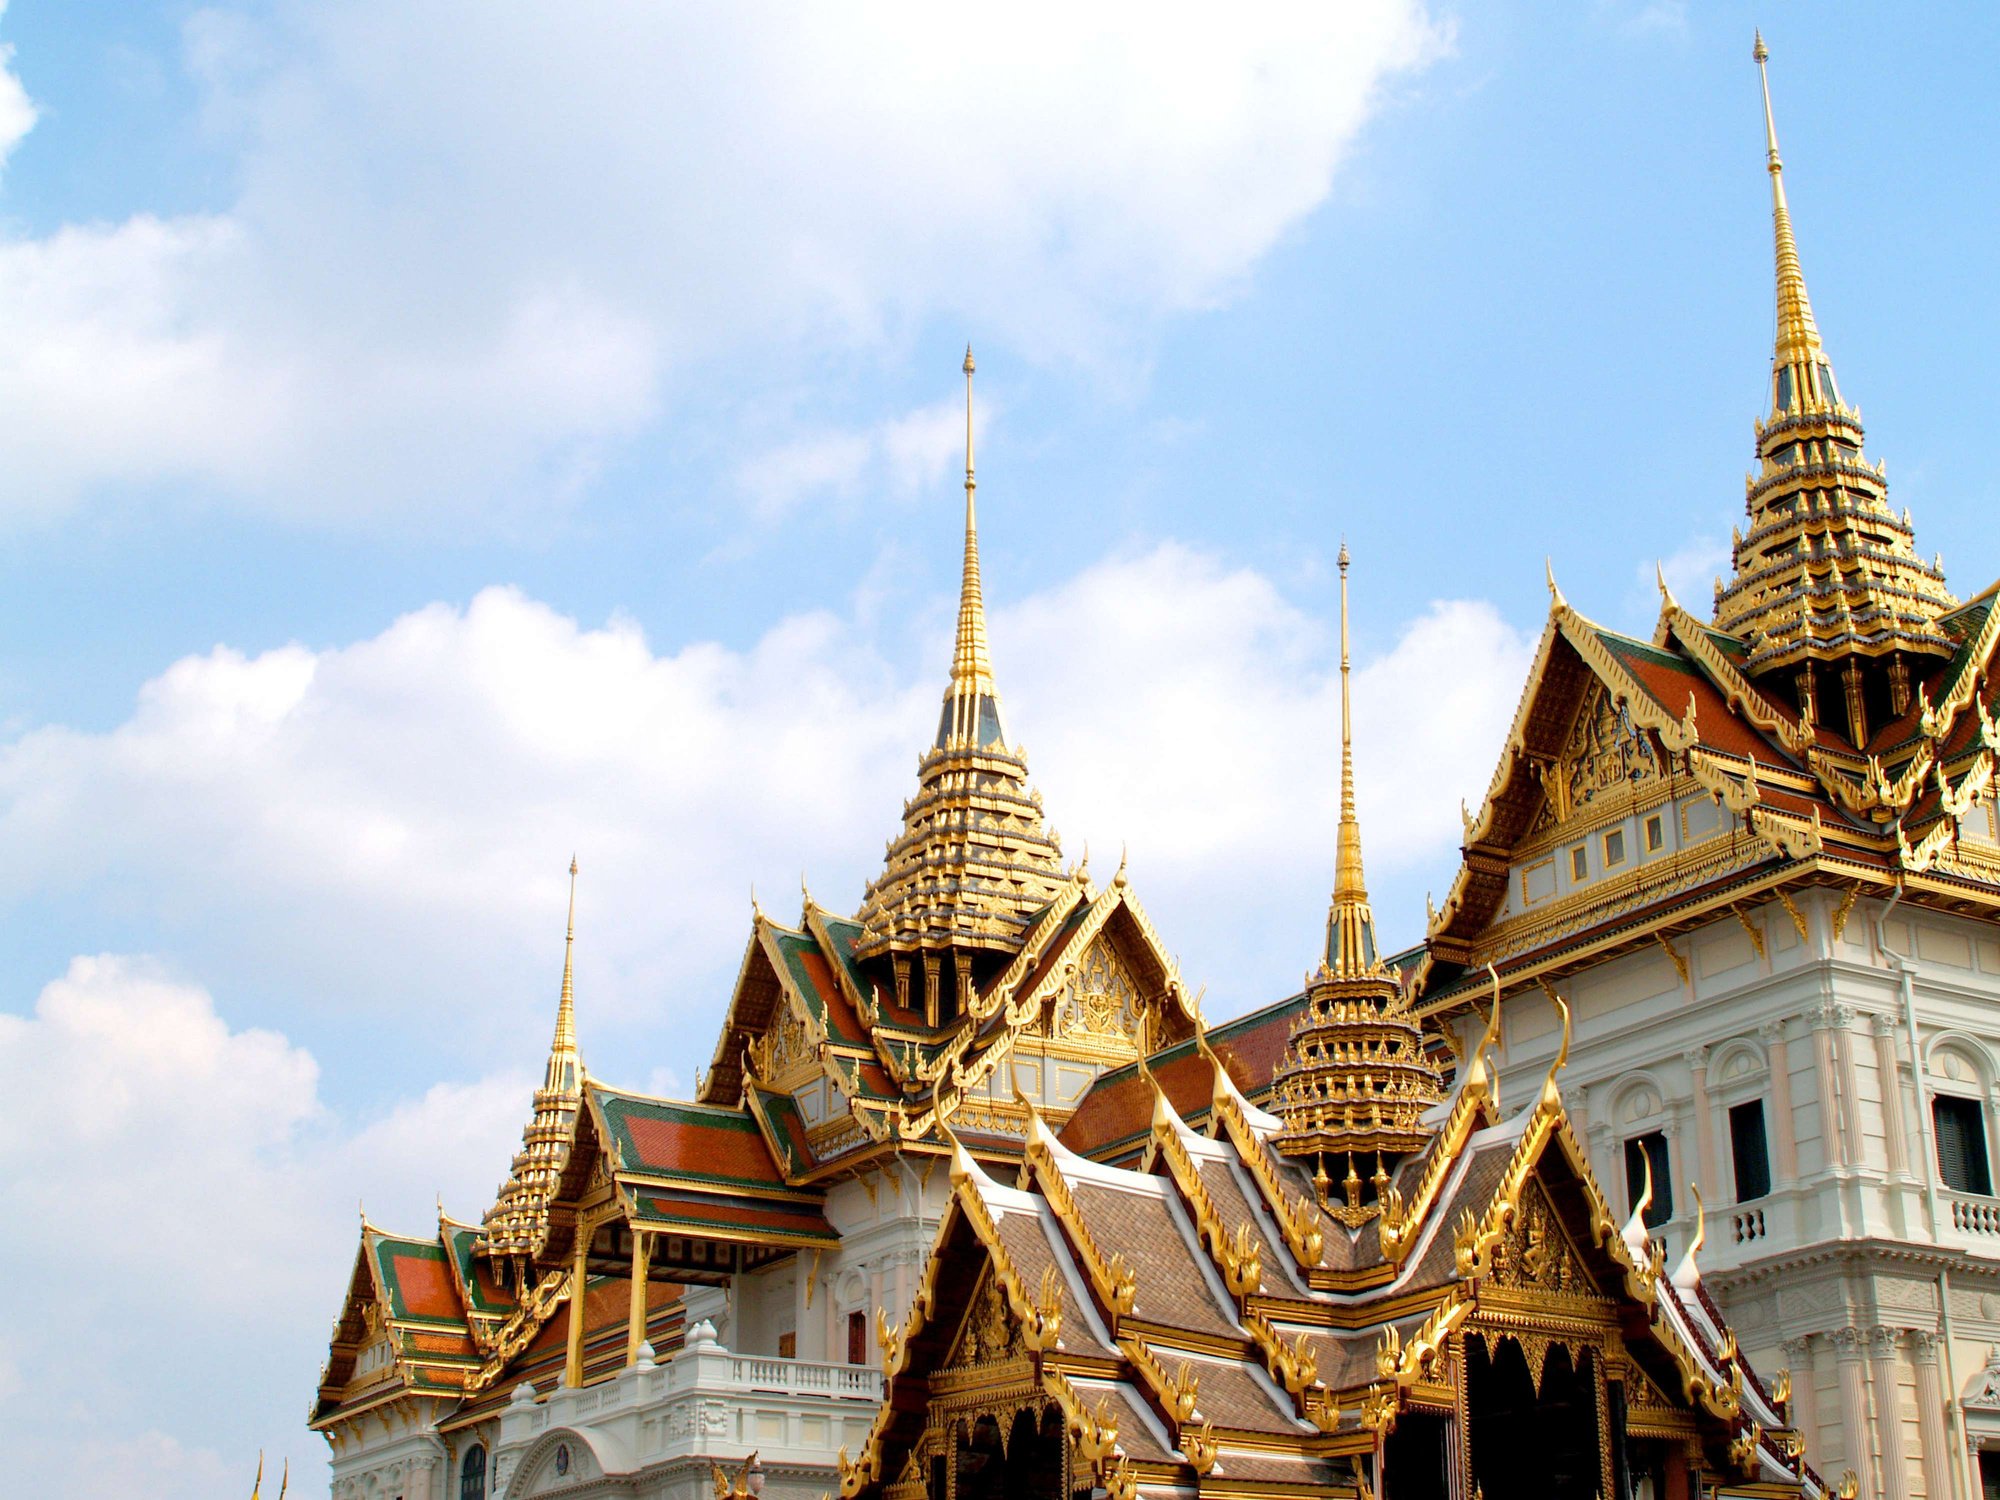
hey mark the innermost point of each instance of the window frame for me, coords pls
(1604, 847)
(1661, 1210)
(1653, 833)
(1741, 1111)
(1978, 1160)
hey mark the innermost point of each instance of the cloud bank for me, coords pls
(386, 823)
(473, 250)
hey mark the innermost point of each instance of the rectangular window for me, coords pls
(1656, 834)
(788, 1346)
(1641, 1149)
(1579, 863)
(1748, 1151)
(1614, 848)
(1961, 1145)
(857, 1338)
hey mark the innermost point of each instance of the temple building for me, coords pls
(1758, 856)
(1658, 1171)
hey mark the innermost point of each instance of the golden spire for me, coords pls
(1354, 1080)
(972, 702)
(560, 1077)
(517, 1224)
(1827, 577)
(1350, 924)
(974, 861)
(1799, 353)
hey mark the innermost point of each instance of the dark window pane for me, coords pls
(1651, 1146)
(1961, 1144)
(472, 1474)
(1746, 1146)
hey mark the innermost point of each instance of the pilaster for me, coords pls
(1854, 1447)
(1783, 1130)
(1940, 1473)
(1886, 1379)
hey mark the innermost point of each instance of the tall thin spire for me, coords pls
(518, 1223)
(974, 861)
(562, 1069)
(1799, 352)
(1350, 924)
(1353, 1086)
(1827, 578)
(971, 701)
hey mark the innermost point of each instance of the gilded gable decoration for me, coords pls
(1100, 999)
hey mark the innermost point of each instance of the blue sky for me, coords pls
(437, 438)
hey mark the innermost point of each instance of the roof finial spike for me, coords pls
(1350, 924)
(1798, 346)
(972, 701)
(562, 1070)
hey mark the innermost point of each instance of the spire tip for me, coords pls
(1759, 53)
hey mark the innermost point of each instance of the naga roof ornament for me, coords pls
(1827, 575)
(1354, 1078)
(518, 1223)
(974, 863)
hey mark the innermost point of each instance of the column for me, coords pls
(1939, 1471)
(1850, 1086)
(1804, 1413)
(1696, 1059)
(578, 1274)
(1854, 1448)
(1784, 1138)
(635, 1330)
(1887, 1380)
(1832, 1130)
(1892, 1093)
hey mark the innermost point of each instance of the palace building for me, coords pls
(1659, 1170)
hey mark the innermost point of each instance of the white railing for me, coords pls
(1975, 1215)
(753, 1372)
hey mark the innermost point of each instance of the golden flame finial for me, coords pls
(1350, 924)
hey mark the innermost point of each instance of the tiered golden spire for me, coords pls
(518, 1222)
(1354, 1080)
(1827, 575)
(974, 862)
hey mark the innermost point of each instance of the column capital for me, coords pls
(1883, 1022)
(1882, 1342)
(1924, 1345)
(1798, 1350)
(1831, 1015)
(1847, 1343)
(1696, 1058)
(1772, 1033)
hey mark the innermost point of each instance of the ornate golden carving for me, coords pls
(1100, 999)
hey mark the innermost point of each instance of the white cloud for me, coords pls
(899, 458)
(474, 248)
(216, 1192)
(1690, 571)
(17, 111)
(389, 819)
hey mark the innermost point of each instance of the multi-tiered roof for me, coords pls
(974, 863)
(1827, 578)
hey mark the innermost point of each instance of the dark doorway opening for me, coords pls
(1530, 1444)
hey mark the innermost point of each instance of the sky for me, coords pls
(439, 438)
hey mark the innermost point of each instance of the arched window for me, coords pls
(472, 1474)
